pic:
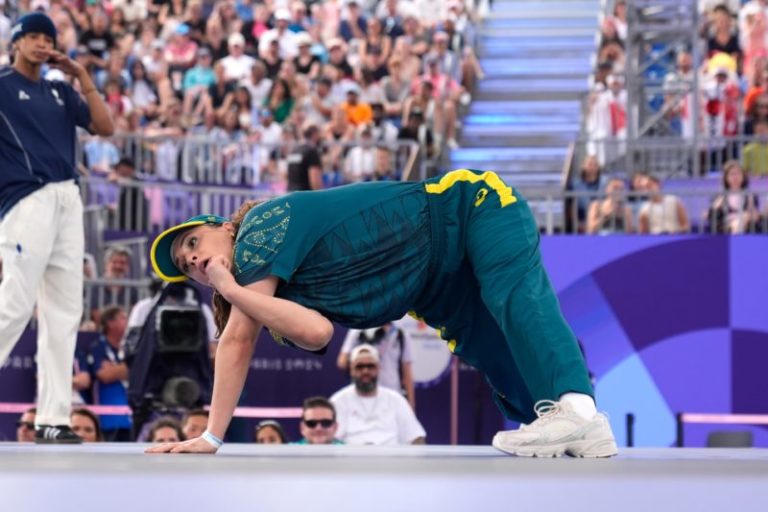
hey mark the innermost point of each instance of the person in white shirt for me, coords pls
(237, 65)
(662, 213)
(286, 39)
(395, 354)
(371, 414)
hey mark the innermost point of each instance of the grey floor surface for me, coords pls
(119, 477)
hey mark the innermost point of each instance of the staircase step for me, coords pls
(534, 121)
(536, 22)
(524, 107)
(532, 166)
(549, 67)
(521, 32)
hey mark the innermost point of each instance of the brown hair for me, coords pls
(222, 308)
(82, 411)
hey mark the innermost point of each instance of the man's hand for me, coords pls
(196, 445)
(58, 60)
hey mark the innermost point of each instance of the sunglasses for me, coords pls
(27, 424)
(322, 423)
(365, 366)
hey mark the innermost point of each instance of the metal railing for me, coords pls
(124, 293)
(222, 160)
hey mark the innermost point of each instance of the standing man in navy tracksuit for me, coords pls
(41, 214)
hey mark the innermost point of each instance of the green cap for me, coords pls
(160, 253)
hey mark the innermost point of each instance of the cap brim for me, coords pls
(160, 253)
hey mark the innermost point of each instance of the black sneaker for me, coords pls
(61, 434)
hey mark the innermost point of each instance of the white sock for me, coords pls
(583, 405)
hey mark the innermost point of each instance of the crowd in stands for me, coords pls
(242, 81)
(731, 126)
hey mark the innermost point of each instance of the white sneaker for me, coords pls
(559, 430)
(451, 143)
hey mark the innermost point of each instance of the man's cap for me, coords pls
(282, 14)
(362, 350)
(33, 23)
(160, 253)
(236, 39)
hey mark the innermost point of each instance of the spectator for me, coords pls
(337, 57)
(132, 207)
(237, 65)
(354, 24)
(280, 101)
(180, 54)
(757, 112)
(395, 89)
(165, 430)
(662, 213)
(194, 423)
(375, 42)
(358, 113)
(390, 14)
(241, 104)
(143, 91)
(755, 155)
(101, 154)
(318, 104)
(607, 122)
(752, 33)
(318, 422)
(86, 425)
(589, 183)
(385, 164)
(416, 129)
(270, 432)
(81, 377)
(371, 414)
(117, 266)
(446, 91)
(395, 354)
(268, 134)
(338, 132)
(259, 84)
(98, 40)
(107, 365)
(272, 60)
(201, 76)
(723, 38)
(383, 130)
(360, 163)
(286, 40)
(306, 63)
(220, 88)
(735, 210)
(305, 167)
(610, 214)
(25, 426)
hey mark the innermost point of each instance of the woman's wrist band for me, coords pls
(212, 439)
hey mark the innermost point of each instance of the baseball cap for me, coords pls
(362, 350)
(160, 253)
(182, 29)
(283, 14)
(236, 39)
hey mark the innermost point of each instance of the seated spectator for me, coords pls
(240, 102)
(117, 266)
(385, 164)
(305, 166)
(107, 364)
(199, 78)
(757, 112)
(415, 129)
(81, 377)
(237, 65)
(268, 134)
(165, 430)
(86, 425)
(375, 41)
(722, 37)
(354, 24)
(285, 38)
(318, 422)
(396, 357)
(395, 88)
(390, 13)
(337, 57)
(280, 101)
(258, 84)
(101, 155)
(25, 426)
(270, 57)
(755, 155)
(383, 130)
(662, 214)
(360, 163)
(610, 214)
(424, 100)
(358, 113)
(98, 40)
(180, 54)
(586, 186)
(318, 104)
(270, 432)
(194, 423)
(219, 90)
(338, 132)
(307, 63)
(735, 210)
(371, 414)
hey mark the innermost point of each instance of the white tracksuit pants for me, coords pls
(42, 247)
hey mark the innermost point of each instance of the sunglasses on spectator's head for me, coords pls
(28, 424)
(365, 366)
(322, 423)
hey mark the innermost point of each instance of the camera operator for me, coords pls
(169, 349)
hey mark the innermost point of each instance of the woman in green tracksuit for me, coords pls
(459, 251)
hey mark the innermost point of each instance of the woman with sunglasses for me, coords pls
(460, 251)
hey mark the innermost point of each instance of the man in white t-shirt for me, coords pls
(395, 355)
(237, 65)
(371, 414)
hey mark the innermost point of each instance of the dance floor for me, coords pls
(119, 477)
